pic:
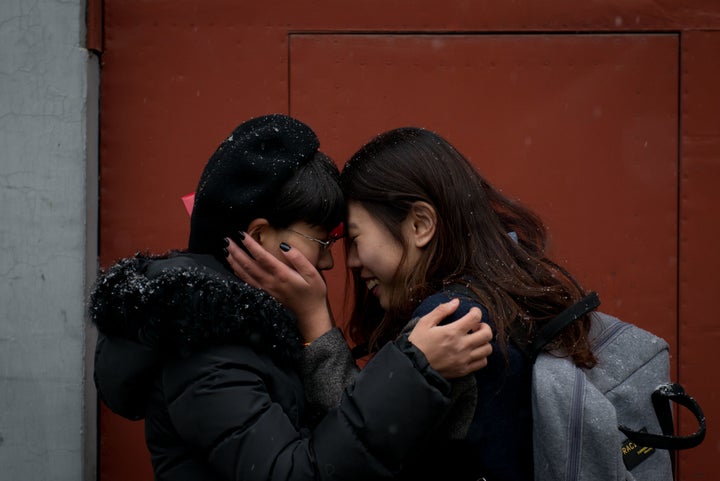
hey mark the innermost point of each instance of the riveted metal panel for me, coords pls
(178, 75)
(174, 84)
(699, 328)
(582, 128)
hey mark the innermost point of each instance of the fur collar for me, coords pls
(181, 302)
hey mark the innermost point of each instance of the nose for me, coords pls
(326, 261)
(352, 261)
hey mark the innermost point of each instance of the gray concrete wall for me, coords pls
(48, 104)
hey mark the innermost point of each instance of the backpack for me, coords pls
(612, 422)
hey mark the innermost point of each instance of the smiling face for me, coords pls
(376, 254)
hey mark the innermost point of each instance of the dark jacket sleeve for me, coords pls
(501, 414)
(223, 408)
(327, 367)
(124, 373)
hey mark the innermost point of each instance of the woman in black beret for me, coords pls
(216, 366)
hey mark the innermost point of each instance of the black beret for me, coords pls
(244, 175)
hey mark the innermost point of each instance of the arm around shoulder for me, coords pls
(379, 420)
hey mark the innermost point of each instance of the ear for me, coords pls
(421, 223)
(258, 228)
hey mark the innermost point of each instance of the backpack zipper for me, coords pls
(576, 411)
(607, 335)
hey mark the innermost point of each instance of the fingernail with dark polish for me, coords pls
(241, 234)
(226, 242)
(284, 247)
(225, 251)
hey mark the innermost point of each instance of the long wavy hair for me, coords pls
(519, 285)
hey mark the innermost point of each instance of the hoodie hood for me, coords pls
(149, 307)
(184, 302)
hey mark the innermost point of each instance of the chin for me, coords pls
(383, 304)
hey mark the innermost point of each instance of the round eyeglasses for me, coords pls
(325, 245)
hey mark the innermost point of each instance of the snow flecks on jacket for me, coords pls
(179, 305)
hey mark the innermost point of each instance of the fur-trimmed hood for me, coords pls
(182, 302)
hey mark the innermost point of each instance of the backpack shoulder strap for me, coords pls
(551, 329)
(533, 348)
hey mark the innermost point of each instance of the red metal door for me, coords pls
(581, 128)
(584, 128)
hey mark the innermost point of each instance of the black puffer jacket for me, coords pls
(209, 362)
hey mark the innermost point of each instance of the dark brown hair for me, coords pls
(520, 287)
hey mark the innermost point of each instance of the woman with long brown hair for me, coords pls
(455, 229)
